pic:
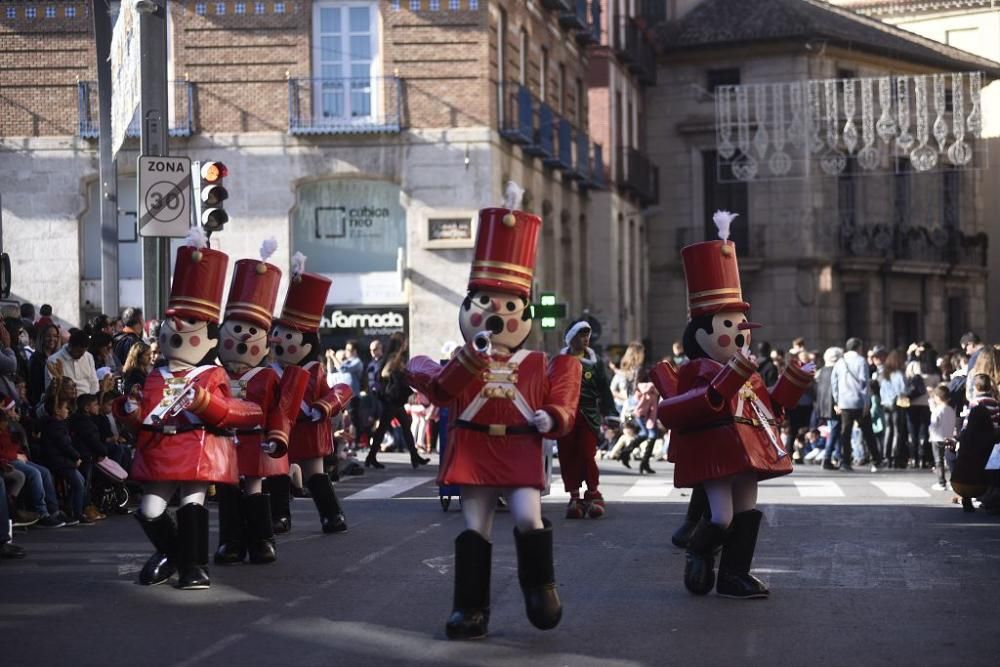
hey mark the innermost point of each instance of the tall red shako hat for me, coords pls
(199, 279)
(712, 272)
(305, 299)
(506, 241)
(254, 288)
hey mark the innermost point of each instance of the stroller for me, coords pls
(108, 489)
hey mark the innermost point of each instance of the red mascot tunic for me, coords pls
(191, 446)
(495, 396)
(311, 439)
(713, 439)
(279, 398)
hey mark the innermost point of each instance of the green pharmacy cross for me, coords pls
(548, 311)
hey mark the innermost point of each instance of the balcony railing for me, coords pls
(914, 243)
(635, 49)
(558, 5)
(89, 119)
(363, 105)
(541, 132)
(638, 175)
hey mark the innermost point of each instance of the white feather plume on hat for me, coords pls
(196, 238)
(722, 220)
(268, 248)
(512, 196)
(298, 264)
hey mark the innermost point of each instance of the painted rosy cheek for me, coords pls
(254, 350)
(292, 349)
(195, 341)
(228, 344)
(512, 325)
(724, 340)
(476, 319)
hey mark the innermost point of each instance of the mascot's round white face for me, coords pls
(242, 345)
(287, 347)
(726, 337)
(500, 314)
(185, 340)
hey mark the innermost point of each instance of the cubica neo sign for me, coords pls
(164, 196)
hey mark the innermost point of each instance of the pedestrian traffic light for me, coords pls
(548, 311)
(211, 195)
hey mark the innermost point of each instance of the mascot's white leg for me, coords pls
(193, 492)
(253, 485)
(526, 507)
(155, 496)
(478, 506)
(720, 499)
(311, 467)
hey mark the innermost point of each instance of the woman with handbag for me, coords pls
(892, 385)
(393, 397)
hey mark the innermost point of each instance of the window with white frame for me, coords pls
(345, 61)
(70, 12)
(29, 12)
(394, 5)
(522, 65)
(414, 5)
(12, 12)
(434, 5)
(279, 8)
(220, 8)
(50, 12)
(453, 5)
(241, 8)
(473, 4)
(199, 9)
(258, 8)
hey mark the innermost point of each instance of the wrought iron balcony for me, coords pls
(636, 174)
(363, 105)
(634, 47)
(89, 119)
(558, 5)
(904, 242)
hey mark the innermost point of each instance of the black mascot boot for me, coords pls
(260, 529)
(232, 526)
(699, 570)
(735, 580)
(325, 498)
(162, 532)
(697, 508)
(192, 547)
(279, 488)
(536, 573)
(471, 613)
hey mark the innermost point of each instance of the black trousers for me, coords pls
(386, 415)
(848, 418)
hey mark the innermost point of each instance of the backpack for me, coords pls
(915, 387)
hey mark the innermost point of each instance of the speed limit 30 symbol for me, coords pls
(164, 195)
(165, 201)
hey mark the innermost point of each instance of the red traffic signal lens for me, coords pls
(213, 195)
(212, 172)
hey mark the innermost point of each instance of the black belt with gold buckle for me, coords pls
(497, 429)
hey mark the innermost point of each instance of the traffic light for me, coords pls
(211, 196)
(548, 311)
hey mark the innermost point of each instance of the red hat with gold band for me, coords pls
(253, 292)
(712, 273)
(505, 251)
(199, 279)
(305, 300)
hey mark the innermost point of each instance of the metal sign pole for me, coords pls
(153, 141)
(108, 165)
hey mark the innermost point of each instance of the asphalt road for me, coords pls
(864, 570)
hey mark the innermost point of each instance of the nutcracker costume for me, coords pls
(185, 417)
(724, 422)
(245, 524)
(295, 348)
(503, 400)
(578, 449)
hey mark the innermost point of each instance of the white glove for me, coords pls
(809, 367)
(269, 446)
(131, 406)
(315, 414)
(542, 421)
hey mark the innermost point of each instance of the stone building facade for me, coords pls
(365, 134)
(891, 257)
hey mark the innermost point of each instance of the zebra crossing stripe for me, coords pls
(389, 488)
(901, 489)
(814, 488)
(650, 488)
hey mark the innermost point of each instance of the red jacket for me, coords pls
(189, 447)
(279, 398)
(713, 436)
(311, 439)
(498, 459)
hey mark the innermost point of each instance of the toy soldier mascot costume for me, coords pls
(504, 400)
(245, 524)
(724, 422)
(295, 344)
(185, 416)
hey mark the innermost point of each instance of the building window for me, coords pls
(579, 115)
(258, 8)
(522, 64)
(958, 322)
(29, 12)
(435, 5)
(279, 8)
(241, 8)
(12, 12)
(220, 8)
(847, 195)
(453, 5)
(901, 193)
(729, 76)
(199, 9)
(345, 55)
(723, 191)
(951, 197)
(70, 12)
(543, 74)
(473, 4)
(855, 315)
(414, 5)
(561, 93)
(50, 12)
